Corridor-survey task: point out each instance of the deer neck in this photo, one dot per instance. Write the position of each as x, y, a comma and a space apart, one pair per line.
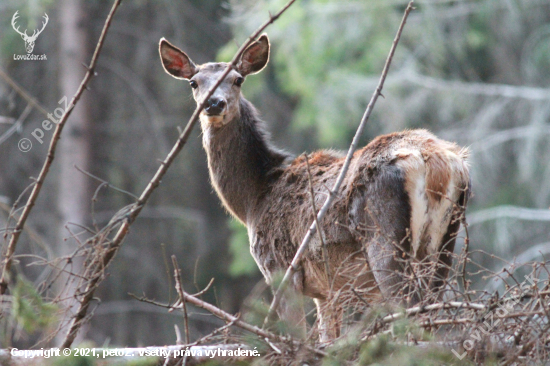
242, 162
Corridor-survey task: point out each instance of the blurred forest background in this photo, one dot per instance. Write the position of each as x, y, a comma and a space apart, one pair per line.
472, 71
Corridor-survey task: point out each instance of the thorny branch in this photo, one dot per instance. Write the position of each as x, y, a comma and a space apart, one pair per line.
114, 244
328, 202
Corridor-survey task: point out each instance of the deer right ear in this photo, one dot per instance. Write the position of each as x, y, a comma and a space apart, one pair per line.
175, 61
255, 57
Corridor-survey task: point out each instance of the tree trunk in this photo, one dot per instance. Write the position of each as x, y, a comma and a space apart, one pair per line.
73, 199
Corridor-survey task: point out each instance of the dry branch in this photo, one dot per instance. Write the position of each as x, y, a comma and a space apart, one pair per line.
16, 232
180, 290
421, 309
116, 242
294, 265
492, 90
264, 334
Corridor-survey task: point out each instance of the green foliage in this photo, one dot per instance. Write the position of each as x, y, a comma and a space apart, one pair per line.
389, 349
30, 310
324, 60
383, 352
319, 64
74, 361
93, 361
452, 73
256, 311
242, 263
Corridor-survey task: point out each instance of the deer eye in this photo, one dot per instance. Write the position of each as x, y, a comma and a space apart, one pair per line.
193, 84
239, 81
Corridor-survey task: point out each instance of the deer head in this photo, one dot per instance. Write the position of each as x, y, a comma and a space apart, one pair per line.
29, 40
223, 106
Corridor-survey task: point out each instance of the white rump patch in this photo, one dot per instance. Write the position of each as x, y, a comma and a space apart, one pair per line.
440, 217
415, 185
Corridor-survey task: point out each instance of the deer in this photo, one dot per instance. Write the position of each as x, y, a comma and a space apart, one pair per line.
398, 208
29, 40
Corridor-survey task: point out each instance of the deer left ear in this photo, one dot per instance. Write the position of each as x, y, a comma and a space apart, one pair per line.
175, 61
255, 57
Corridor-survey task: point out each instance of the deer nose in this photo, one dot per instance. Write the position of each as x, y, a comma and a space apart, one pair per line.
215, 106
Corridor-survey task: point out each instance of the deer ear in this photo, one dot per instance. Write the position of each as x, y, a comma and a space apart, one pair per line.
255, 57
175, 61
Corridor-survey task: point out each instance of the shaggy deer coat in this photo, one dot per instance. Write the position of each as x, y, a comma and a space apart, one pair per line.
396, 213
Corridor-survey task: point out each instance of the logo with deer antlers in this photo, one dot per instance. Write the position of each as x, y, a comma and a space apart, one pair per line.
29, 40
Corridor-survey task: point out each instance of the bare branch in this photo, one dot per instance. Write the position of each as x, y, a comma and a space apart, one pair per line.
241, 324
116, 242
507, 211
17, 124
179, 289
493, 90
51, 154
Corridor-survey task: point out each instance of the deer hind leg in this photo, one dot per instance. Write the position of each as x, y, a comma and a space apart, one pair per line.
386, 261
329, 317
448, 243
380, 211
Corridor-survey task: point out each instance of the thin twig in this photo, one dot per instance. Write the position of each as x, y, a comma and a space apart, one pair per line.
179, 289
525, 347
23, 92
294, 265
205, 289
178, 335
319, 230
420, 309
51, 153
465, 254
104, 182
17, 124
116, 242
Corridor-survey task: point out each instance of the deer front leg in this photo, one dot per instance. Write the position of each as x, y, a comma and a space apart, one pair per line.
329, 317
291, 306
291, 311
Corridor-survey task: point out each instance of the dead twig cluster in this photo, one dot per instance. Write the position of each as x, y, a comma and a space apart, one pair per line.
510, 328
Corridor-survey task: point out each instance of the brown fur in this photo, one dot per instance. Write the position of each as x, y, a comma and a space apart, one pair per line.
396, 212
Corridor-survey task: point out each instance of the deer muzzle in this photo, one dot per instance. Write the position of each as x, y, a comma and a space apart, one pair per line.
215, 106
